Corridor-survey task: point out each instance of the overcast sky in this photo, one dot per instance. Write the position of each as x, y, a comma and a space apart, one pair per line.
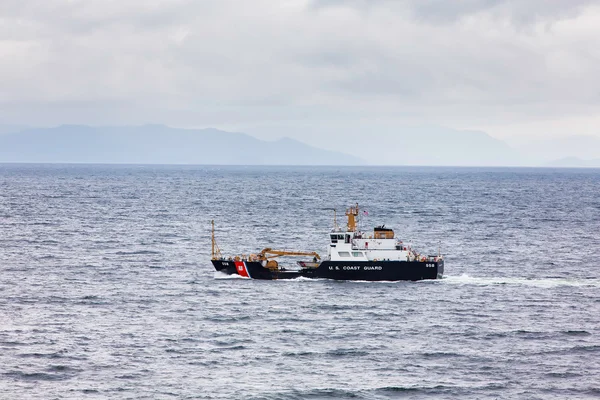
304, 68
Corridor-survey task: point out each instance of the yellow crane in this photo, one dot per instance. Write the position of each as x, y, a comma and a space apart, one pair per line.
268, 254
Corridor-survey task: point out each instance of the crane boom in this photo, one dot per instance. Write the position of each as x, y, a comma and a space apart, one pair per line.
268, 253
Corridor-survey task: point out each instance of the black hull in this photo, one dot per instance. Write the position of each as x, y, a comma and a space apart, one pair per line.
227, 267
340, 270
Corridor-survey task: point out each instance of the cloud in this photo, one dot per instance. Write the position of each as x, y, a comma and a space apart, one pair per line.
199, 63
436, 11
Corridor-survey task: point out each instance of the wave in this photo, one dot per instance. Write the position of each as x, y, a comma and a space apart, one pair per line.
223, 275
364, 393
56, 374
138, 252
537, 282
305, 279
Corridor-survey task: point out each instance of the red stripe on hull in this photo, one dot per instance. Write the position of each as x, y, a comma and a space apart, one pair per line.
240, 267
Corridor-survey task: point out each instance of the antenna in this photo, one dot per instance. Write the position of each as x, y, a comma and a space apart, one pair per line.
335, 218
335, 225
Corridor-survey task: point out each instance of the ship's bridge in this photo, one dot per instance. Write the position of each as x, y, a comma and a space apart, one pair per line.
368, 249
353, 245
380, 240
376, 244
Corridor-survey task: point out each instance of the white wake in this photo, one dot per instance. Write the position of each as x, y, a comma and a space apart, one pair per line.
537, 282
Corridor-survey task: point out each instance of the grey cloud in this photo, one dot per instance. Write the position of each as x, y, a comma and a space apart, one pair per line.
87, 16
517, 11
212, 62
437, 11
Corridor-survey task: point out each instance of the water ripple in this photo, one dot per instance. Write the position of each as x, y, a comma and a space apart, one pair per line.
107, 290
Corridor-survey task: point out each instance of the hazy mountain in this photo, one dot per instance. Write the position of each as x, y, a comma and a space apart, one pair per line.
551, 150
4, 129
438, 146
574, 162
158, 144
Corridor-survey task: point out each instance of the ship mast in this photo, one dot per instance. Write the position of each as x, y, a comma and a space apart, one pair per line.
215, 251
352, 213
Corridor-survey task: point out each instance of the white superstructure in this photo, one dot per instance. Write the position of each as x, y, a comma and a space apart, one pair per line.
357, 246
353, 245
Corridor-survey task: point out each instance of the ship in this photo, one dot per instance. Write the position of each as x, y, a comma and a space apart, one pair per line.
352, 255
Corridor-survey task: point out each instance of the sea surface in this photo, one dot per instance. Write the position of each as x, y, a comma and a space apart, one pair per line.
107, 290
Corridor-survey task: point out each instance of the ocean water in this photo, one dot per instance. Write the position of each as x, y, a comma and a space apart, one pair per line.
107, 290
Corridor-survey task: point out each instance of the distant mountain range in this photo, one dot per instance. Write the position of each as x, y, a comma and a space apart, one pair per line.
439, 146
4, 129
574, 162
158, 144
566, 151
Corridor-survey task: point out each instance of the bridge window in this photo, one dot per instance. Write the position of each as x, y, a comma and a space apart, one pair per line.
333, 238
